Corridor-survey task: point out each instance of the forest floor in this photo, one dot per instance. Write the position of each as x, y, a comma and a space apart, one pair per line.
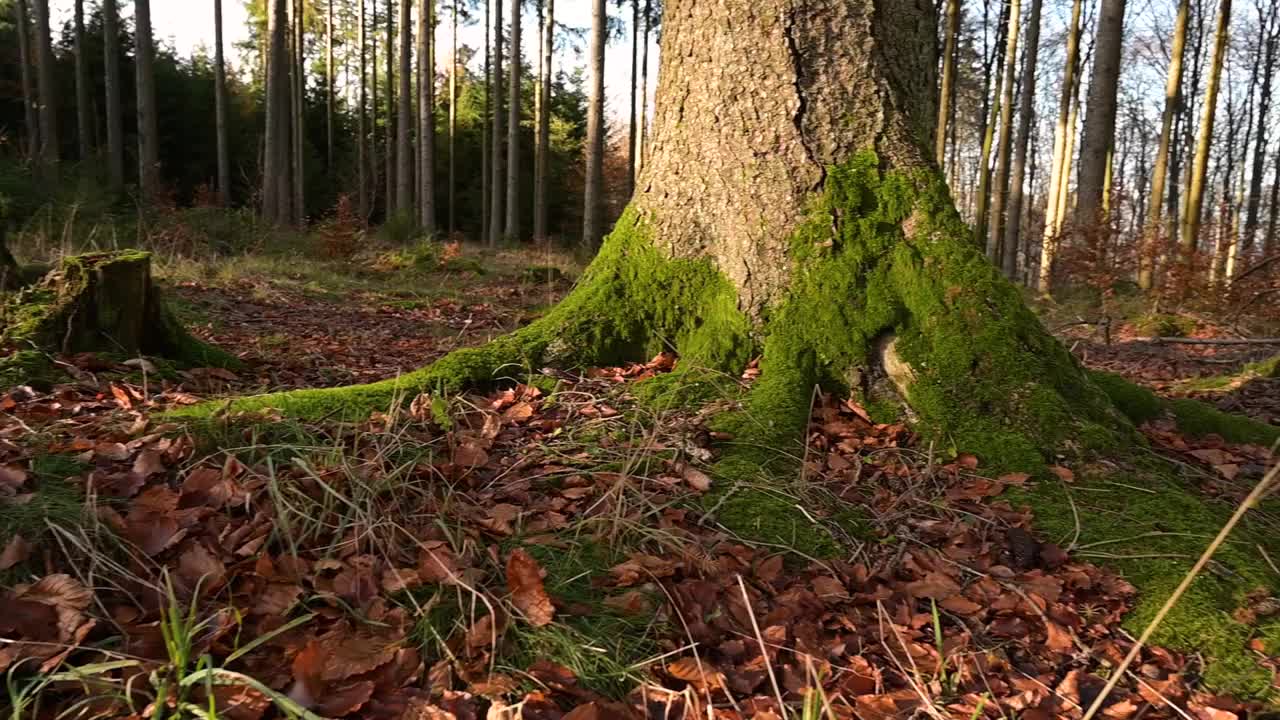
537, 552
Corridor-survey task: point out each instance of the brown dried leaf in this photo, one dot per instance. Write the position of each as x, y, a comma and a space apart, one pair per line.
524, 580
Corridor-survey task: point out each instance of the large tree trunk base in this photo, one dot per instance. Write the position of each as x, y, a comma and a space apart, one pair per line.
102, 303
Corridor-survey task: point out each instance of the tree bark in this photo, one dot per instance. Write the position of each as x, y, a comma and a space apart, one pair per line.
541, 170
631, 110
644, 87
277, 196
1189, 234
362, 131
29, 101
427, 116
1026, 114
948, 81
391, 139
1061, 153
328, 86
405, 200
84, 122
145, 87
1100, 118
1271, 48
47, 87
1000, 192
298, 105
1160, 171
1273, 220
498, 177
512, 227
486, 160
453, 119
220, 103
594, 186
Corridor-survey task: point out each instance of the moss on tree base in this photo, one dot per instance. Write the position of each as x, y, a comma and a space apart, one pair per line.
99, 302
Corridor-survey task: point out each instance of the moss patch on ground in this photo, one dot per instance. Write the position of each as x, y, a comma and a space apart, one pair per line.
1152, 535
1192, 416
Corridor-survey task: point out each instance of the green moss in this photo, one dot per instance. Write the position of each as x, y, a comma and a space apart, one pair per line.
1152, 536
685, 387
1136, 402
27, 367
1197, 418
1164, 325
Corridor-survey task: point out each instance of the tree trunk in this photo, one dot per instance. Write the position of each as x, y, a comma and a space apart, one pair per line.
405, 200
145, 87
10, 273
84, 122
362, 129
298, 104
390, 142
814, 228
541, 170
948, 81
631, 110
1061, 152
29, 101
486, 161
47, 85
1001, 185
1026, 114
277, 196
328, 86
512, 228
1160, 172
427, 116
1100, 119
220, 103
644, 87
497, 178
988, 118
1271, 44
1273, 219
594, 186
1195, 190
453, 119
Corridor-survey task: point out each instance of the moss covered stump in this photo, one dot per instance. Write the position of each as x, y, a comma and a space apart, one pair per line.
103, 303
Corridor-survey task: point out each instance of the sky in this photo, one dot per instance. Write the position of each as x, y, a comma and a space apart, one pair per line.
188, 25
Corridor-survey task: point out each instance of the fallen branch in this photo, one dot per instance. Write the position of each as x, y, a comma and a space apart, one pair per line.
1209, 341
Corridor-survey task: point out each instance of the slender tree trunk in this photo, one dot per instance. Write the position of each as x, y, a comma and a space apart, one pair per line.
148, 127
1061, 153
328, 86
427, 116
47, 85
987, 128
277, 197
29, 102
362, 130
405, 200
1271, 43
1100, 119
84, 123
486, 160
1001, 189
1273, 219
512, 230
498, 178
453, 118
220, 107
115, 111
1195, 190
631, 111
948, 81
390, 142
1160, 170
644, 87
299, 107
593, 191
1026, 114
544, 124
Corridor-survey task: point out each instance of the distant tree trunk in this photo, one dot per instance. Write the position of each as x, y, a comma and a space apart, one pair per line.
1273, 219
486, 160
544, 124
29, 101
298, 104
47, 84
993, 68
328, 86
631, 112
1001, 186
1100, 119
512, 230
1160, 171
277, 197
10, 273
1199, 169
948, 81
1271, 43
1061, 153
390, 142
427, 116
594, 187
375, 164
405, 200
84, 124
453, 118
644, 87
498, 178
1027, 111
220, 109
362, 130
115, 111
148, 126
